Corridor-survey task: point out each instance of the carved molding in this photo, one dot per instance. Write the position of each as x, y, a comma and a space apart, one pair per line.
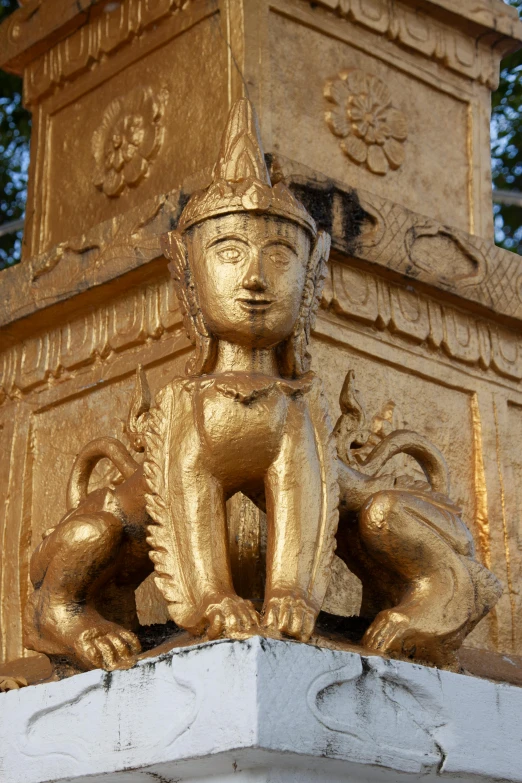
449, 259
364, 297
89, 44
129, 320
372, 130
418, 30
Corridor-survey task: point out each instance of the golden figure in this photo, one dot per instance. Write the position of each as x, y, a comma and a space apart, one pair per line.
248, 263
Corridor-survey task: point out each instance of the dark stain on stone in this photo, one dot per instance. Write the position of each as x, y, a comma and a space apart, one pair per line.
107, 681
318, 200
443, 757
151, 636
353, 218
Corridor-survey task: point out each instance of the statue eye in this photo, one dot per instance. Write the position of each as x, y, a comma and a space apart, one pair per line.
230, 254
280, 255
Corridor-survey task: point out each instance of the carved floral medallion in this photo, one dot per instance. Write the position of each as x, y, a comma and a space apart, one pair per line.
371, 129
127, 140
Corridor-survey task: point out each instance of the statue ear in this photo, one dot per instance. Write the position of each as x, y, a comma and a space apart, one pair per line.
318, 270
174, 249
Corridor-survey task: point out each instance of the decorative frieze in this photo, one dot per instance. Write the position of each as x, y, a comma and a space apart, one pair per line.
415, 29
102, 36
146, 313
402, 311
141, 314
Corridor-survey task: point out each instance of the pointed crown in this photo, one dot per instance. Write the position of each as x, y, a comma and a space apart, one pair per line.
240, 179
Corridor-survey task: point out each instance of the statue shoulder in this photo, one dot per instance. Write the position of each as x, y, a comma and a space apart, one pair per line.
171, 391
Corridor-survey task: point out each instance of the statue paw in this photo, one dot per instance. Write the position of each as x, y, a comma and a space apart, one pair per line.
107, 647
8, 683
387, 632
232, 617
291, 616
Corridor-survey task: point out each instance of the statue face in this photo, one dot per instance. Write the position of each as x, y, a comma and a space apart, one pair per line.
249, 272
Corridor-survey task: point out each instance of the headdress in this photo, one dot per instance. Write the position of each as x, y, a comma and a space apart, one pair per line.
240, 179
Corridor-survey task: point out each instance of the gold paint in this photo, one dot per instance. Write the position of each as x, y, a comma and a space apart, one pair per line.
248, 264
481, 490
504, 528
128, 138
471, 174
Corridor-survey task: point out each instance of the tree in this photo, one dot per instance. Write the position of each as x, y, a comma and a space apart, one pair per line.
506, 146
15, 130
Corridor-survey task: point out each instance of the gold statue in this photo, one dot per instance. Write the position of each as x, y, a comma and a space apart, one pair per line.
248, 263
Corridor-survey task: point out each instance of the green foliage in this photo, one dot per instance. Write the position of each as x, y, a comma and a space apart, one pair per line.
15, 130
506, 146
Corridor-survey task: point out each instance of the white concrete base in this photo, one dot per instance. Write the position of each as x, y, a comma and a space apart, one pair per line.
262, 711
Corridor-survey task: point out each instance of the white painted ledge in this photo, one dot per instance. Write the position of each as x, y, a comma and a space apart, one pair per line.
262, 711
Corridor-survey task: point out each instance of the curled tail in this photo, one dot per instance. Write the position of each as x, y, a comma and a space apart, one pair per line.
86, 461
417, 446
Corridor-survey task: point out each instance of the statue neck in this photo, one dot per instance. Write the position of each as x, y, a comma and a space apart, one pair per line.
239, 358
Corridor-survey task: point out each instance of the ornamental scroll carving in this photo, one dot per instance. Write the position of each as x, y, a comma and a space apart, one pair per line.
361, 114
248, 264
127, 140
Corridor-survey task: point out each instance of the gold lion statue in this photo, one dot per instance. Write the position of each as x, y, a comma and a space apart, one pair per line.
248, 263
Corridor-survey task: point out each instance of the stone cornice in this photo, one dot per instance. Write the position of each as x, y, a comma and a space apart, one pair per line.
39, 24
467, 38
291, 711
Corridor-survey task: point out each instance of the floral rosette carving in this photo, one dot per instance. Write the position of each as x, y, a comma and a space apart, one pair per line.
127, 140
372, 130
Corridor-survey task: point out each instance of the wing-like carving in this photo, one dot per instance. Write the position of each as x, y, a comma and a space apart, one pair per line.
163, 538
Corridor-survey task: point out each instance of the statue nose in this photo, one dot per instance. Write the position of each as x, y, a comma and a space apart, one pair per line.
254, 279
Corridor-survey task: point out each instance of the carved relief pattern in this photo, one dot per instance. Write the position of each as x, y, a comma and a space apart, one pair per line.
128, 138
364, 297
90, 43
416, 30
446, 258
129, 320
372, 130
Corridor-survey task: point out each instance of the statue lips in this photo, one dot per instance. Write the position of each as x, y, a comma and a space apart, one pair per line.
255, 303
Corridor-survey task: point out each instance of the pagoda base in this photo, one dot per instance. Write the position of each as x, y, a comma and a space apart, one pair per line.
262, 710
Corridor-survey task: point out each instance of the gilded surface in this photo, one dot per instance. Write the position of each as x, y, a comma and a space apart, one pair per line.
417, 300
